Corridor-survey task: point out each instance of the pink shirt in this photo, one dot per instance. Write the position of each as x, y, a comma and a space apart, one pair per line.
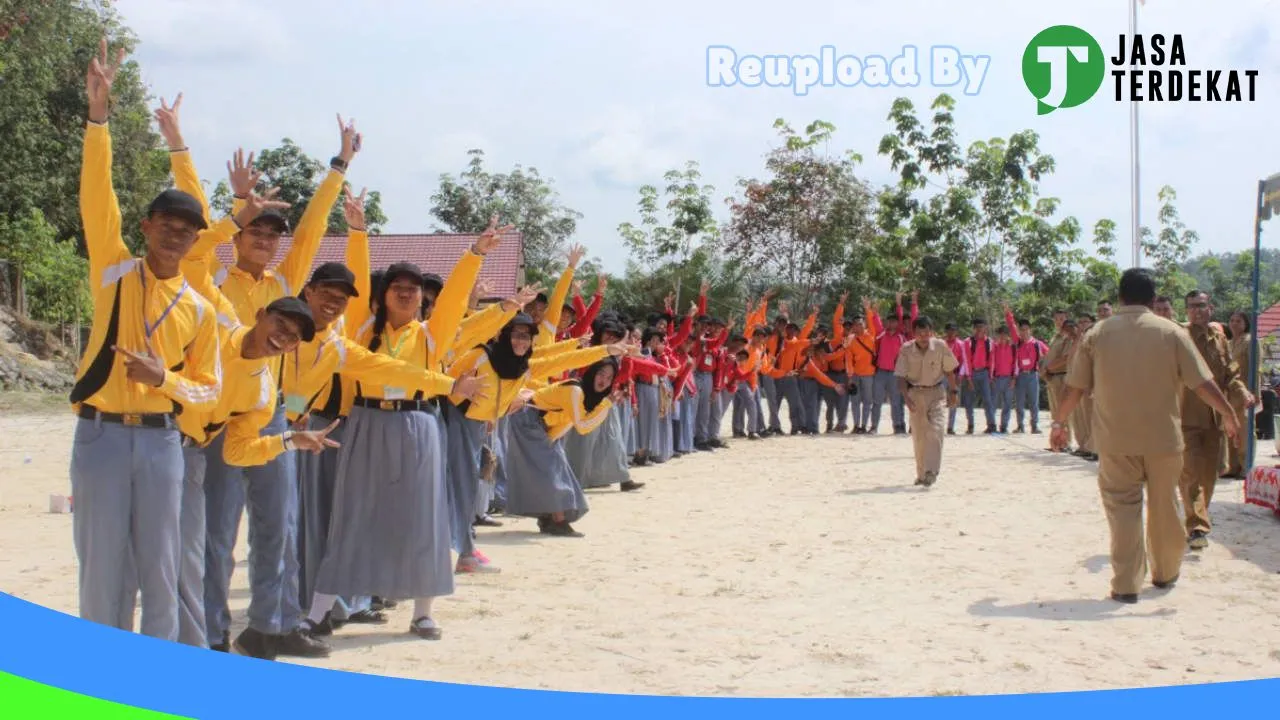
1029, 353
889, 345
1003, 362
960, 349
979, 354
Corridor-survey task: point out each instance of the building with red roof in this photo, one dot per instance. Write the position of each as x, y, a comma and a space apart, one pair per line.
437, 253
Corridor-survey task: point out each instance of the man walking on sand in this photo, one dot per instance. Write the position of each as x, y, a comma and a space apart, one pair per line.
1136, 364
922, 367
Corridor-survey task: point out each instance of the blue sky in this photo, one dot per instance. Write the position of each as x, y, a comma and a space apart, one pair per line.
606, 96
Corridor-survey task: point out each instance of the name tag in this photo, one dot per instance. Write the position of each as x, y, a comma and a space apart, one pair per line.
393, 393
295, 404
1026, 362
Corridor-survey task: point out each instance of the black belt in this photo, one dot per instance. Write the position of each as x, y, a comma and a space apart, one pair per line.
324, 416
924, 387
150, 420
397, 405
1061, 374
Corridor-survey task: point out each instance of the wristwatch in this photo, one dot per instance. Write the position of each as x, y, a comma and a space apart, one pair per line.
1058, 426
287, 439
338, 164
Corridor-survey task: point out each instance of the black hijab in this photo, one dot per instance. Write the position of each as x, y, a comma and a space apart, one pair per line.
590, 397
502, 357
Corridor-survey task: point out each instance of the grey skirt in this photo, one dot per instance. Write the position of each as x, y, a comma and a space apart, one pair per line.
389, 530
317, 479
539, 478
647, 423
466, 437
664, 445
599, 459
629, 425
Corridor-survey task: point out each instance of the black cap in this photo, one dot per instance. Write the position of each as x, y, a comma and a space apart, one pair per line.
951, 326
402, 270
542, 298
293, 308
432, 281
274, 219
332, 273
179, 204
523, 319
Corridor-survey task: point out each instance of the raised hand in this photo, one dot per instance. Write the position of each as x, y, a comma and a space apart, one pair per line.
489, 239
844, 296
526, 295
99, 78
142, 367
693, 308
704, 288
167, 119
255, 205
620, 349
915, 297
479, 290
898, 297
576, 253
242, 176
577, 288
602, 282
353, 208
351, 140
316, 441
669, 302
585, 340
522, 398
469, 386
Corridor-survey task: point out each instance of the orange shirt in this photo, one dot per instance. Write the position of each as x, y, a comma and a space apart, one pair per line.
860, 354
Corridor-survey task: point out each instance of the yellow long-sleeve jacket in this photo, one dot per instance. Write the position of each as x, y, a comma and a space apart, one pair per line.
500, 392
137, 311
565, 405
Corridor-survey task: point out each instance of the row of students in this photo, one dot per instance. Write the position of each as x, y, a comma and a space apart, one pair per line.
199, 382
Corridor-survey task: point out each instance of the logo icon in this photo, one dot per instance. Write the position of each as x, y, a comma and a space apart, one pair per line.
1063, 66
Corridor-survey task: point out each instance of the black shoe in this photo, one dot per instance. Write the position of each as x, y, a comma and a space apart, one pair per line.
561, 529
951, 431
367, 617
324, 628
224, 646
1166, 584
753, 436
1019, 431
486, 521
1199, 540
1035, 431
640, 461
1126, 598
718, 444
969, 431
254, 644
1004, 429
991, 431
737, 434
422, 629
630, 486
377, 603
300, 643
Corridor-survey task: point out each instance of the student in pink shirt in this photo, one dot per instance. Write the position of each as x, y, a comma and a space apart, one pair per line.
889, 341
1003, 370
1028, 352
951, 335
980, 349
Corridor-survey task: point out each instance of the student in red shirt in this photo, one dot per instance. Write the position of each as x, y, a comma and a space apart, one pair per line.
1028, 352
959, 348
889, 341
980, 349
1003, 370
720, 394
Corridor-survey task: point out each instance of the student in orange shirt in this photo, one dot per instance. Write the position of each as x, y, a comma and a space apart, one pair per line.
860, 348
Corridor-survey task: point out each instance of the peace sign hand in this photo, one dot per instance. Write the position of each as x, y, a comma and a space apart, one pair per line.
98, 81
141, 367
167, 118
351, 140
576, 253
315, 441
255, 205
241, 174
527, 294
353, 208
490, 238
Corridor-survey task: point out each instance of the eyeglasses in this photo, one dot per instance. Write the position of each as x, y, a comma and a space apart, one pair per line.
1197, 305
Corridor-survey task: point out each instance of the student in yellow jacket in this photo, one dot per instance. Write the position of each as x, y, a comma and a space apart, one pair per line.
540, 480
153, 350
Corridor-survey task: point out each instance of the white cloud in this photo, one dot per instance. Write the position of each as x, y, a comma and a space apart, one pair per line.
604, 98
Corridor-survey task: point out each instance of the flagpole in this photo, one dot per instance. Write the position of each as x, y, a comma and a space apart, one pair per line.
1249, 431
1135, 185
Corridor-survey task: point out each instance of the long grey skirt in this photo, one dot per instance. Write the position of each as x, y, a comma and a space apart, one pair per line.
389, 532
648, 425
539, 478
466, 437
629, 425
599, 459
317, 479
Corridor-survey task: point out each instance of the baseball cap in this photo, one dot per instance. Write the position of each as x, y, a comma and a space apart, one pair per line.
298, 311
432, 281
274, 219
402, 270
179, 204
332, 273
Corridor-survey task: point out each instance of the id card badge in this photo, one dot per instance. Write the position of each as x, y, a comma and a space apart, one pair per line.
393, 393
295, 404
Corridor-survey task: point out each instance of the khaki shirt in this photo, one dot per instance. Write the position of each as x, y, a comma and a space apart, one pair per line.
1240, 348
1059, 349
1216, 353
1137, 364
926, 368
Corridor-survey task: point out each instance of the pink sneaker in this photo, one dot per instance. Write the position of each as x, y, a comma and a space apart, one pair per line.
472, 566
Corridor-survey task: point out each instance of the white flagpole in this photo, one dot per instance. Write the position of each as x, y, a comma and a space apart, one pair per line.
1135, 188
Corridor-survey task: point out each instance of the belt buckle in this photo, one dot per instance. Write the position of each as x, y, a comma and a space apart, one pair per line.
131, 419
387, 405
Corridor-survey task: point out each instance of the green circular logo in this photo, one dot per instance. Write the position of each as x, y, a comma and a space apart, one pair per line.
1063, 67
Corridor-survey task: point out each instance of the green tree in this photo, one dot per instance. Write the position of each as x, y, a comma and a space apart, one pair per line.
1170, 248
522, 198
46, 46
298, 176
54, 277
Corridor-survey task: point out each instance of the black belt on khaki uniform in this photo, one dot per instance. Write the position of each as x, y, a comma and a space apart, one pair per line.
924, 387
150, 420
1049, 374
397, 405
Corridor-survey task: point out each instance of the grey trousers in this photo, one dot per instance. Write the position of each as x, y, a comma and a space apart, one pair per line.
270, 495
886, 389
864, 400
981, 390
789, 389
705, 400
837, 404
1004, 402
127, 483
811, 402
769, 390
719, 406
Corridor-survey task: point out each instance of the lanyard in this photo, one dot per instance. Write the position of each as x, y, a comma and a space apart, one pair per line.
395, 352
150, 328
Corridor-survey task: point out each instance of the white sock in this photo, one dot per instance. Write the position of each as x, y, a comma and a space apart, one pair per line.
422, 607
321, 604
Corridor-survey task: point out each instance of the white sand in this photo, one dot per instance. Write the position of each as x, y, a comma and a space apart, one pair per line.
794, 566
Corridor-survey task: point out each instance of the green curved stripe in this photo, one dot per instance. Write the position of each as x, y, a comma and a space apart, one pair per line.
22, 699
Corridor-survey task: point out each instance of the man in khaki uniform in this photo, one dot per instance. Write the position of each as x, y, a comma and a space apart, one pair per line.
1082, 418
922, 367
1137, 363
1055, 365
1201, 427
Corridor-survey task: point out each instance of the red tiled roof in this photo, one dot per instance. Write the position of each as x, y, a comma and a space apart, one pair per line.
436, 253
1269, 321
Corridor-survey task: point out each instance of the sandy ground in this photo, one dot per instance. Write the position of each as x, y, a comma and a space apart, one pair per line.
790, 567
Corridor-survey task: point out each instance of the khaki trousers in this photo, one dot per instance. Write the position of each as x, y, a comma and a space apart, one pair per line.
928, 427
1082, 423
1201, 461
1235, 460
1058, 388
1121, 479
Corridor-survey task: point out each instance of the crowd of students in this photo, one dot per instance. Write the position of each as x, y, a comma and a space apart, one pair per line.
367, 420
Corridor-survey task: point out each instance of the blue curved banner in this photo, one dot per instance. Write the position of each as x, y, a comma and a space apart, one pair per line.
64, 652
